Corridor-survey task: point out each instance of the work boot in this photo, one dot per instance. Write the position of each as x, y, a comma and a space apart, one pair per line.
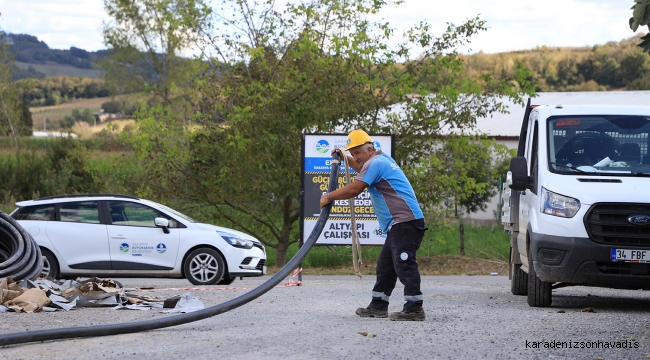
370, 312
414, 315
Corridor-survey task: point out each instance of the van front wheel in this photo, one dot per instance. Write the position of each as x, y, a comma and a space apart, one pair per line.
539, 292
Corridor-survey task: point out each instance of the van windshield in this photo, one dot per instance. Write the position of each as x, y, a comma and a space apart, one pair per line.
599, 145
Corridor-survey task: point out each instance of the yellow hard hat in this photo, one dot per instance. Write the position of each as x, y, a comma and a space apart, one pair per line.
357, 138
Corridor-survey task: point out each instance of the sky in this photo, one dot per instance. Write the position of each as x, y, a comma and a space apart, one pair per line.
512, 24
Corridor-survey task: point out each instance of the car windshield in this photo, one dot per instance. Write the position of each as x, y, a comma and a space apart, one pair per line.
599, 145
170, 210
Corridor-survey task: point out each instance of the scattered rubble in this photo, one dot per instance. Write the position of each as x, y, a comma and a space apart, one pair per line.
45, 295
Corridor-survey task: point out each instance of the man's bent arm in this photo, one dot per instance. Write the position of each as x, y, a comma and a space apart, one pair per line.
346, 192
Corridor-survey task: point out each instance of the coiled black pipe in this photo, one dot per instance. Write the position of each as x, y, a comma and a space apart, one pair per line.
125, 328
20, 257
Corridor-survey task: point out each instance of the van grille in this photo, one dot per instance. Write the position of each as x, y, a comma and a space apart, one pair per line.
607, 224
623, 268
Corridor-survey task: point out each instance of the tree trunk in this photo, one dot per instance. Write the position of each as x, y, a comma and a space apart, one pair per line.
281, 254
462, 239
288, 218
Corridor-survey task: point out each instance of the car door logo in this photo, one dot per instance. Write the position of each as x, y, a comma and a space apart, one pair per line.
161, 248
124, 247
639, 220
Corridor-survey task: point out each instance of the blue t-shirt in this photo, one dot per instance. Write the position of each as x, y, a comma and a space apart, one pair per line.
390, 191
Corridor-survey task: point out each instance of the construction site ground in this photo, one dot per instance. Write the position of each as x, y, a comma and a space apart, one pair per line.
466, 317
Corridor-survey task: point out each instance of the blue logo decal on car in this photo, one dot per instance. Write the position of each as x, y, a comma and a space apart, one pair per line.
124, 247
161, 248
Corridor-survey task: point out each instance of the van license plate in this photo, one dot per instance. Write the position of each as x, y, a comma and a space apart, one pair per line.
627, 255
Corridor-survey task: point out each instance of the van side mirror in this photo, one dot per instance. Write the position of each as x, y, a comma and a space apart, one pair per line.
162, 223
519, 170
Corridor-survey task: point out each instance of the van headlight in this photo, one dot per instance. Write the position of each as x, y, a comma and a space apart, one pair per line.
558, 205
236, 240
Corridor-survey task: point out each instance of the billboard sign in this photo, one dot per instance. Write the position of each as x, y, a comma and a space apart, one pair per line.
316, 166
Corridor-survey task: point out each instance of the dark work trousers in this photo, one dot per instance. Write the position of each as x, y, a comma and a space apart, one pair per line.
397, 260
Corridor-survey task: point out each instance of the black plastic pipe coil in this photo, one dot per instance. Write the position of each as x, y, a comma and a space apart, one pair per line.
125, 328
20, 257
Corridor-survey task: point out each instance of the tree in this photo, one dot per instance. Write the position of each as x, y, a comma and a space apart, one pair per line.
315, 66
634, 66
641, 17
112, 107
146, 41
11, 111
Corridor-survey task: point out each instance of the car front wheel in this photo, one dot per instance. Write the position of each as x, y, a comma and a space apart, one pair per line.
50, 269
204, 266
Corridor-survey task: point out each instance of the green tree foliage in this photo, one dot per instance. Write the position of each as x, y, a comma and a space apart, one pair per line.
316, 66
467, 170
641, 17
59, 89
146, 41
10, 105
112, 107
62, 168
85, 115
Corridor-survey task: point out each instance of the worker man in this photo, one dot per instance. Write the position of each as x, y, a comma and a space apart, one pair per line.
400, 217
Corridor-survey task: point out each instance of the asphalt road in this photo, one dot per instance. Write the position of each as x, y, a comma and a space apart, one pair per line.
467, 317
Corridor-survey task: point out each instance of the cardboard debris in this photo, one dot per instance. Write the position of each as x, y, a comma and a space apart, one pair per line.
9, 290
30, 301
45, 295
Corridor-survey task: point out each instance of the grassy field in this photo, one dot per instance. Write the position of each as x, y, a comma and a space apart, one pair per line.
86, 131
56, 112
60, 69
486, 251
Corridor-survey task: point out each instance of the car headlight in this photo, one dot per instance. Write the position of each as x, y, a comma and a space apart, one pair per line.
558, 205
235, 240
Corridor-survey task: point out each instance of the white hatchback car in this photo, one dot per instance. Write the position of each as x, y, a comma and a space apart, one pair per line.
119, 235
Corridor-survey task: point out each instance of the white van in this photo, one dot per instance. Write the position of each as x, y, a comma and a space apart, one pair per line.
577, 200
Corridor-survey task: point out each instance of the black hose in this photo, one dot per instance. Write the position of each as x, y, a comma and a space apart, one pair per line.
20, 257
125, 328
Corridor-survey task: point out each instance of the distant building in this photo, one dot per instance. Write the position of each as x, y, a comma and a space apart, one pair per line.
46, 134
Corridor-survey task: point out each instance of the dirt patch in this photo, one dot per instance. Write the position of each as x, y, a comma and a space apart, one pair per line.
435, 265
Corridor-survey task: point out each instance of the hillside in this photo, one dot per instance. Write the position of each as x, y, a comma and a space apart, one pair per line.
51, 68
29, 51
613, 66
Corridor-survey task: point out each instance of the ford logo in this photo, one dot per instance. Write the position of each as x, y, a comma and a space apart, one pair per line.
639, 220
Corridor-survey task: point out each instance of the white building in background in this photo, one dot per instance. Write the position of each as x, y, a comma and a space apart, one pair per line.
46, 134
505, 128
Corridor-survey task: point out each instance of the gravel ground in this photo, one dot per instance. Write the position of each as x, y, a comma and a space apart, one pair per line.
467, 317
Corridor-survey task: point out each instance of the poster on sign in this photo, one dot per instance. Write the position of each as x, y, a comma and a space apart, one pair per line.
316, 166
